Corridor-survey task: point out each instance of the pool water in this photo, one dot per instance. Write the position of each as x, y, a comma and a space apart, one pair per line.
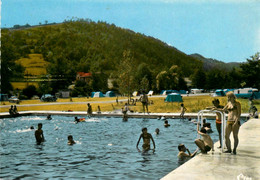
105, 148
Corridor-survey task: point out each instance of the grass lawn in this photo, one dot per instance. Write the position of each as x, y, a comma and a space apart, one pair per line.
192, 103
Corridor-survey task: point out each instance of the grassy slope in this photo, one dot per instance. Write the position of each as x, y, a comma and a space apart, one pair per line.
34, 65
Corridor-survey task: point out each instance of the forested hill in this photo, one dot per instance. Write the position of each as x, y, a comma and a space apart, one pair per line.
84, 45
209, 63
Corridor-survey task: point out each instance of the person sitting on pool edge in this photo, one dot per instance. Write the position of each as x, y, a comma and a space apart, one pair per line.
146, 141
166, 124
182, 150
70, 140
205, 144
39, 134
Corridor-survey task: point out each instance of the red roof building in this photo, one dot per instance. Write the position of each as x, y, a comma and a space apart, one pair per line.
82, 76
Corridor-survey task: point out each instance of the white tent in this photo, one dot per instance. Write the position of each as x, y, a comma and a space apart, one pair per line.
150, 93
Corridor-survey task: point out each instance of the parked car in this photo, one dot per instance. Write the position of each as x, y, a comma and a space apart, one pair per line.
48, 98
35, 97
13, 99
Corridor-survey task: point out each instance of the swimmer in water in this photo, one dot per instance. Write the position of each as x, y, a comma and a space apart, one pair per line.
146, 141
70, 140
39, 134
182, 150
157, 131
166, 124
76, 120
49, 117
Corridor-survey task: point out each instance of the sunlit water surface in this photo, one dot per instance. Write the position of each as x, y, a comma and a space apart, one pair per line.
105, 148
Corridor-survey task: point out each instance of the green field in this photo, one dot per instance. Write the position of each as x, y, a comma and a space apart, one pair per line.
192, 103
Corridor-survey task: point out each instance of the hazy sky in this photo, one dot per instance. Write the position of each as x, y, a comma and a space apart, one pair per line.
227, 30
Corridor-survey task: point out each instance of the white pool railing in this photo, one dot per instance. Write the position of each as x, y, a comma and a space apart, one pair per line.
223, 124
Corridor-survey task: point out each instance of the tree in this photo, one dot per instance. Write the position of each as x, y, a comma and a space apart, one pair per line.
251, 70
30, 91
142, 72
44, 88
9, 69
82, 88
182, 85
125, 74
199, 79
144, 84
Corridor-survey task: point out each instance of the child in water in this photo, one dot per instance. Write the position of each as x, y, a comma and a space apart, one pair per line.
70, 140
146, 141
166, 124
39, 134
157, 131
183, 149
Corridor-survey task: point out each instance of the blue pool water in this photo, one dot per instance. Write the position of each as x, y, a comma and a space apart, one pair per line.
105, 149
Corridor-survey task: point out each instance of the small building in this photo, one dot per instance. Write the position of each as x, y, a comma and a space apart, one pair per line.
82, 76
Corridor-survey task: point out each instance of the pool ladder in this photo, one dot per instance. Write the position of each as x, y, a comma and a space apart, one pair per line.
223, 124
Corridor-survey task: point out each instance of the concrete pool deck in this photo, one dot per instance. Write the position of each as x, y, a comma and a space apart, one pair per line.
244, 165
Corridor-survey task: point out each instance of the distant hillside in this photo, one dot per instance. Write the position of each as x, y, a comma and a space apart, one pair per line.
210, 64
89, 46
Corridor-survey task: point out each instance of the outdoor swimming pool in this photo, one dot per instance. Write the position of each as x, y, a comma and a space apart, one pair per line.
105, 149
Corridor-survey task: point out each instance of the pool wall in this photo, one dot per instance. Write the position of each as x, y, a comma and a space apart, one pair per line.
114, 114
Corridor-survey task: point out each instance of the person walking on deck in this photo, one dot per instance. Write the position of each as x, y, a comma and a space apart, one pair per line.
144, 101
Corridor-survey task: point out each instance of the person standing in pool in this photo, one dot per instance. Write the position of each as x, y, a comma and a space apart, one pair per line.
39, 134
233, 122
89, 110
147, 137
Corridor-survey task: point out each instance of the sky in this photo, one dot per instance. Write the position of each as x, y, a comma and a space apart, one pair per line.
226, 30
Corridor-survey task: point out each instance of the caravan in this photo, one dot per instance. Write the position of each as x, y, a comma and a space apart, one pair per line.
245, 92
196, 91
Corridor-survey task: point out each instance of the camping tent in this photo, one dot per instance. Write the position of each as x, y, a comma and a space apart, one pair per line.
150, 93
3, 97
110, 94
97, 94
219, 92
256, 95
173, 97
183, 92
166, 92
135, 93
